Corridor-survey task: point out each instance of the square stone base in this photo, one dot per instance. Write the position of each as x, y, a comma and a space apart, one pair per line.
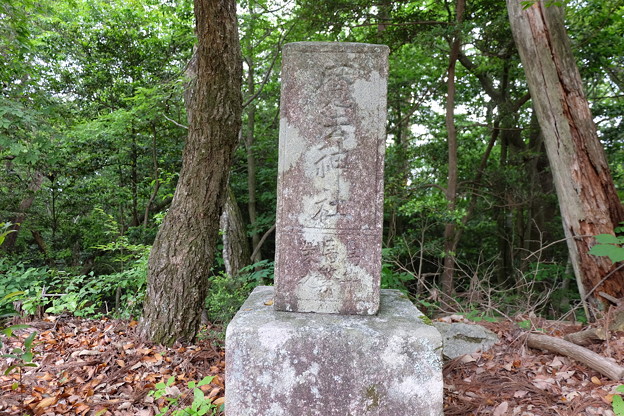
305, 364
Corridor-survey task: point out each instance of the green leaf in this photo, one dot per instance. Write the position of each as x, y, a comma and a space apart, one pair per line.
9, 330
9, 369
198, 395
28, 341
607, 239
9, 296
618, 405
620, 388
9, 356
615, 253
205, 380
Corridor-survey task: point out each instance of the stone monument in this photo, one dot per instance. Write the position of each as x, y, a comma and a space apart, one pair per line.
330, 183
326, 341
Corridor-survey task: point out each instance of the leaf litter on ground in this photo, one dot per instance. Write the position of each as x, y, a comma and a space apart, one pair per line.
101, 367
512, 379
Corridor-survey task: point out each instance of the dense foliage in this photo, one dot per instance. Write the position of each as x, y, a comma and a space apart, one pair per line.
92, 125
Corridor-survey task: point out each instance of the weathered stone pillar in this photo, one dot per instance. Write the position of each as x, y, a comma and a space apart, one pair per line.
360, 354
330, 183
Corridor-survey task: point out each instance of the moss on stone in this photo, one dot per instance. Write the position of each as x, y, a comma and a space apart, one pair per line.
372, 395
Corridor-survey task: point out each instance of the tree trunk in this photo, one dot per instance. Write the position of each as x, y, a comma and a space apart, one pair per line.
587, 197
134, 177
236, 253
156, 173
450, 229
22, 211
251, 165
180, 261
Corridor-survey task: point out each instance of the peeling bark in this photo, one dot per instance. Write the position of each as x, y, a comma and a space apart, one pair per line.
236, 253
587, 197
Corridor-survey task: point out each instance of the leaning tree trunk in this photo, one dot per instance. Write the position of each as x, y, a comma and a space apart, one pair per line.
180, 261
587, 197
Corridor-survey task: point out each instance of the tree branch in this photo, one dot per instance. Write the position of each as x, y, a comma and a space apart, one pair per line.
175, 122
268, 73
604, 365
421, 22
262, 240
485, 81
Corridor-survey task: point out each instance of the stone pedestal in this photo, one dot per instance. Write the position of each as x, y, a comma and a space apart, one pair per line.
305, 364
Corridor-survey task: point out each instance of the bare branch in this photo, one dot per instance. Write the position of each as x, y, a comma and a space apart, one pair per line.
268, 72
175, 122
264, 237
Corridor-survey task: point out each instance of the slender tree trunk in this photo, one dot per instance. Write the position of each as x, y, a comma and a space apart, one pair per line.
236, 253
156, 175
134, 177
180, 261
53, 213
587, 197
450, 230
22, 211
251, 165
40, 243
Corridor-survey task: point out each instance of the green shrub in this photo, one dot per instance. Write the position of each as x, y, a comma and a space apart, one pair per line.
227, 294
93, 296
4, 231
22, 284
22, 357
391, 279
201, 405
53, 291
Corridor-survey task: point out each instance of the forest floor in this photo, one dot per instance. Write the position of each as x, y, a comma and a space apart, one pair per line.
100, 367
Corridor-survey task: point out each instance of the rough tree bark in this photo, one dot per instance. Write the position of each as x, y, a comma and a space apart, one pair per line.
587, 197
183, 251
